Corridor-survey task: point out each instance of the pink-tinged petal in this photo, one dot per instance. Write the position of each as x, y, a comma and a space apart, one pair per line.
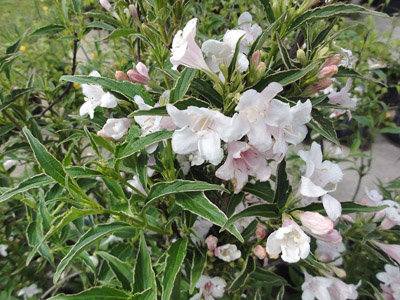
142, 69
331, 174
140, 103
390, 249
259, 136
235, 128
316, 223
210, 147
331, 237
332, 207
184, 141
387, 224
248, 99
309, 189
271, 91
105, 4
245, 18
181, 118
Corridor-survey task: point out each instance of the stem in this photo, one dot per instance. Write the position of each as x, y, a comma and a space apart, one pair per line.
12, 120
171, 159
360, 177
60, 283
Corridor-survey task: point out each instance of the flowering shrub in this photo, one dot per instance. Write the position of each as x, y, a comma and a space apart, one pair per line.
198, 172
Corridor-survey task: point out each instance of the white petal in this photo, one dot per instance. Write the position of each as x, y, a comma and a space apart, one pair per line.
309, 189
210, 147
332, 207
245, 18
184, 141
108, 100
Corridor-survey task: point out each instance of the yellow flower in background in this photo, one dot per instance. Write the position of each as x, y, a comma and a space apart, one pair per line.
22, 48
94, 55
123, 60
76, 85
45, 8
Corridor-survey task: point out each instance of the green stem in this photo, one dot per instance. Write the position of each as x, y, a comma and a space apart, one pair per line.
171, 159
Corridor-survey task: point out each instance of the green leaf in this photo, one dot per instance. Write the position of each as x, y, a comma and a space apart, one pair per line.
105, 16
198, 203
120, 32
49, 29
155, 111
330, 11
82, 172
323, 126
182, 85
96, 293
162, 189
125, 88
285, 77
196, 269
121, 269
268, 10
261, 190
207, 92
143, 274
259, 210
345, 72
249, 267
145, 295
394, 130
273, 279
92, 141
136, 145
282, 188
51, 166
175, 256
35, 235
284, 53
376, 291
347, 208
98, 24
34, 182
85, 241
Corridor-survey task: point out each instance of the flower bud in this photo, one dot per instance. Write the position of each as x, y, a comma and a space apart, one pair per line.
327, 72
105, 4
256, 58
133, 11
260, 252
316, 223
301, 56
322, 52
320, 85
211, 242
119, 75
140, 75
332, 61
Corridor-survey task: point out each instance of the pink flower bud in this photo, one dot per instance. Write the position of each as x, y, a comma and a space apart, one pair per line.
260, 232
327, 72
260, 252
321, 85
211, 242
255, 58
140, 75
334, 60
316, 223
105, 4
119, 75
331, 237
392, 250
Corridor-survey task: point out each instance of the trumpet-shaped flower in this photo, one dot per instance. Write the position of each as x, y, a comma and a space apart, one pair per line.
315, 287
29, 291
316, 223
318, 174
243, 161
340, 290
343, 97
253, 108
330, 252
390, 249
252, 31
391, 275
95, 96
202, 130
210, 288
185, 51
115, 129
140, 75
228, 252
291, 240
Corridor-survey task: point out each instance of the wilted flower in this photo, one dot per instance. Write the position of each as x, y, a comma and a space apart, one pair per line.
316, 223
185, 51
227, 252
202, 130
29, 291
3, 250
115, 129
243, 160
291, 240
210, 288
95, 96
318, 174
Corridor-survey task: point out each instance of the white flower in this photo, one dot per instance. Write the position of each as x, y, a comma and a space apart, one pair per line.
330, 252
8, 164
253, 108
29, 291
291, 240
210, 288
200, 227
115, 129
391, 275
202, 130
94, 260
3, 250
185, 51
228, 252
135, 182
339, 290
318, 174
252, 31
315, 287
343, 97
95, 96
374, 195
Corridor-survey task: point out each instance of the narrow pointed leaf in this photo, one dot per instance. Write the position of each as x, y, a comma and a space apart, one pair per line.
182, 85
122, 270
96, 293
